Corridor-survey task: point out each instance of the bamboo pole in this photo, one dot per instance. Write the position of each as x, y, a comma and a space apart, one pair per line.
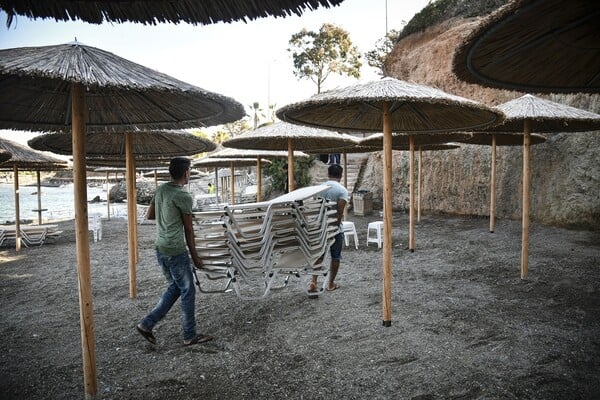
258, 179
387, 217
107, 196
411, 197
17, 208
291, 186
130, 173
345, 170
217, 184
493, 186
135, 214
419, 184
526, 190
82, 240
39, 196
232, 181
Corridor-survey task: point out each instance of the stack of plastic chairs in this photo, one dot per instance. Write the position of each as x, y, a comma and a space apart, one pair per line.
252, 245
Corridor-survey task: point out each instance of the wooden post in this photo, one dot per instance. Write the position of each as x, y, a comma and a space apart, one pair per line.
17, 209
258, 179
217, 184
387, 216
232, 181
135, 214
493, 186
155, 179
345, 170
526, 190
411, 196
107, 196
131, 211
82, 240
419, 185
291, 186
39, 196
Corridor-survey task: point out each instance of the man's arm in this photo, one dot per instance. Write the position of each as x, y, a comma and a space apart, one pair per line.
341, 205
150, 212
188, 227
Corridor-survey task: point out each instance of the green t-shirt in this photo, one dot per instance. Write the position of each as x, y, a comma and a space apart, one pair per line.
171, 201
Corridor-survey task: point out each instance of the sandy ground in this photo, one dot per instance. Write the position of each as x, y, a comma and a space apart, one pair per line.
464, 325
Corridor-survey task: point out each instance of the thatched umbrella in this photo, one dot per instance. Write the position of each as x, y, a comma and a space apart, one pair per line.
408, 141
76, 88
535, 46
215, 162
493, 140
351, 147
258, 154
157, 11
4, 155
389, 105
24, 158
283, 136
527, 114
151, 143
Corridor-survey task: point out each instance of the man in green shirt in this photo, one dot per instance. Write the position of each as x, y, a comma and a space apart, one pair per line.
172, 209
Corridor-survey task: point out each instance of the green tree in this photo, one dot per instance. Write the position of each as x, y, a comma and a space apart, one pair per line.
220, 136
316, 55
376, 57
237, 128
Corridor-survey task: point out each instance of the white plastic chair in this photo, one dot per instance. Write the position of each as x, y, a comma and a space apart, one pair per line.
350, 230
95, 225
377, 229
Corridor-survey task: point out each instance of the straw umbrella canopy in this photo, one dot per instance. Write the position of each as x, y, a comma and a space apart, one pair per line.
535, 46
527, 114
4, 155
76, 88
158, 11
150, 144
215, 162
258, 154
290, 137
24, 158
493, 140
408, 141
384, 106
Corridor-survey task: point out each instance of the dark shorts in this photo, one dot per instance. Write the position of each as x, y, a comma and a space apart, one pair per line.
336, 248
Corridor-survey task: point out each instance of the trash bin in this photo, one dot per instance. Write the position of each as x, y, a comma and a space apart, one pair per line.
362, 202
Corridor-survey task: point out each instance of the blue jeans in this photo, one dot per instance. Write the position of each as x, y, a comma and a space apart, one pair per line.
178, 271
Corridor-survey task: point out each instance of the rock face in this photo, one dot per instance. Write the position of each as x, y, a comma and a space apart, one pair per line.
565, 170
144, 191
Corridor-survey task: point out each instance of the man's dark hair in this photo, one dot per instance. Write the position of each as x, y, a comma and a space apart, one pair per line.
335, 171
178, 166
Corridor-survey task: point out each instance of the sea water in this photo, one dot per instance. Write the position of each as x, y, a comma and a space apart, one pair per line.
59, 202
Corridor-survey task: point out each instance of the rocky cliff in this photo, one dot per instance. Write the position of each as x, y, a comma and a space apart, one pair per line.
565, 169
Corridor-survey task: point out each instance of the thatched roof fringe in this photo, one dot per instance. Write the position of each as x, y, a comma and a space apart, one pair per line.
152, 12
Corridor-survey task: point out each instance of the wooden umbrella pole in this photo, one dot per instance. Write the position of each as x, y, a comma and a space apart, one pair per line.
39, 196
411, 197
493, 186
232, 182
387, 216
291, 186
130, 173
17, 208
526, 190
107, 196
82, 240
217, 184
258, 179
345, 170
419, 184
135, 214
155, 179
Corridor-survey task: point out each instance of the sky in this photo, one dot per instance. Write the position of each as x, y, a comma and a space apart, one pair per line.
248, 62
